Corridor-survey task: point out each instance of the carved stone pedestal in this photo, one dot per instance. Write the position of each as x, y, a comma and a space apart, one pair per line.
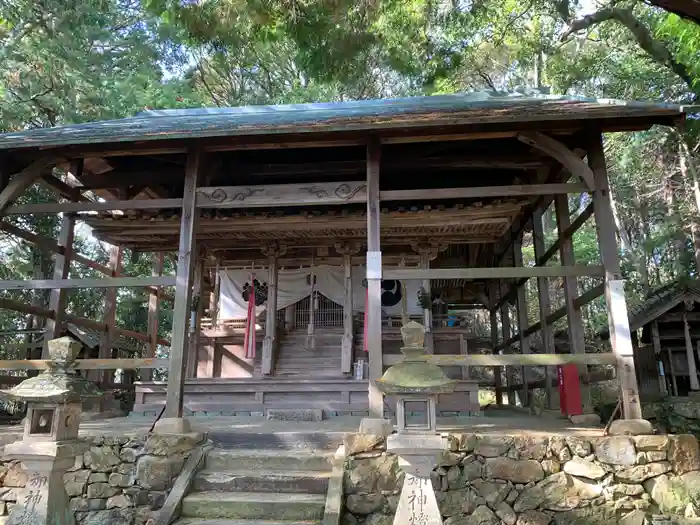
418, 456
44, 500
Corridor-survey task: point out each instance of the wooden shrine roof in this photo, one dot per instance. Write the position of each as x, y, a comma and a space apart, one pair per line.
686, 8
663, 299
365, 115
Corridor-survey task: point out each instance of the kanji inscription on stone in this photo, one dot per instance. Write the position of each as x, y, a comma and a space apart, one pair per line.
417, 503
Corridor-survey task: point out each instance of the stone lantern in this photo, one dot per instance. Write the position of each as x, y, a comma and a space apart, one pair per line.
416, 383
50, 442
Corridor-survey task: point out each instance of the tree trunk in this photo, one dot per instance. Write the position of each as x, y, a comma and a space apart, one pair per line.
690, 174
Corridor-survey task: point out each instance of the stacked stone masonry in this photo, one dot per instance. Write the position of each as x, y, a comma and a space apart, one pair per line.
118, 481
485, 480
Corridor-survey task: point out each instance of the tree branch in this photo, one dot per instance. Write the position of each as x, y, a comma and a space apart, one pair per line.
656, 50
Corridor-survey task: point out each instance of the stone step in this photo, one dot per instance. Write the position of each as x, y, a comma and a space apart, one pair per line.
254, 505
276, 460
298, 442
224, 521
288, 481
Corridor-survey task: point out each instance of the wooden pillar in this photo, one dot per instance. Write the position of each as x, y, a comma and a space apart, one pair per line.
153, 315
497, 379
374, 280
110, 315
544, 307
656, 341
618, 320
273, 252
183, 292
214, 296
196, 313
347, 250
510, 372
574, 319
690, 355
311, 328
521, 310
59, 297
464, 350
290, 314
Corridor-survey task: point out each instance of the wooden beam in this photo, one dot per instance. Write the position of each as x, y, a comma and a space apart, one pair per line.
557, 150
677, 317
194, 331
90, 206
567, 234
69, 284
374, 279
560, 313
497, 373
18, 306
523, 322
506, 330
618, 320
319, 194
170, 510
574, 317
153, 314
51, 246
493, 273
545, 305
59, 297
23, 180
109, 315
523, 190
183, 289
84, 364
512, 359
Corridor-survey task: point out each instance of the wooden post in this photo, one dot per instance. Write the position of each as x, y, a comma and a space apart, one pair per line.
153, 313
311, 328
183, 294
464, 350
58, 297
690, 354
374, 279
194, 329
273, 252
618, 320
215, 294
523, 323
656, 341
290, 314
545, 306
347, 250
573, 313
110, 315
510, 372
497, 379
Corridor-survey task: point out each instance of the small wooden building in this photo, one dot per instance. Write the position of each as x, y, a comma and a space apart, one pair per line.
341, 212
667, 349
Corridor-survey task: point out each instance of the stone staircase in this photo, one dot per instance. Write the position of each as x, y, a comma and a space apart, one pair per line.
295, 360
262, 479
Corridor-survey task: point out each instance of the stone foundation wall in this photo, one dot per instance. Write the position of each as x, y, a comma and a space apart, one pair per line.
117, 481
486, 480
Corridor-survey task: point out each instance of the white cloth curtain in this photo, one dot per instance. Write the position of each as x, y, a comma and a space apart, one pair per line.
293, 286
